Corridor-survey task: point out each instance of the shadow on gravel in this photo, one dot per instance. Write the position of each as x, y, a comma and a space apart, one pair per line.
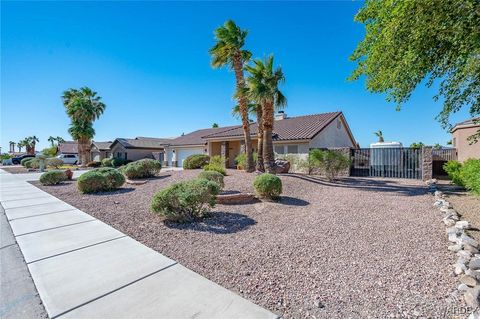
118, 191
367, 184
218, 223
292, 201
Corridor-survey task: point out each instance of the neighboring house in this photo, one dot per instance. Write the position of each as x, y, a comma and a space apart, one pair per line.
139, 148
460, 133
68, 147
100, 150
291, 135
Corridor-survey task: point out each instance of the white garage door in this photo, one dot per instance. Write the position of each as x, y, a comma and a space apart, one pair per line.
182, 154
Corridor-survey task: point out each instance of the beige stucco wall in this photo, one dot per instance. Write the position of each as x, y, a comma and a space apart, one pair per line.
332, 136
464, 149
133, 154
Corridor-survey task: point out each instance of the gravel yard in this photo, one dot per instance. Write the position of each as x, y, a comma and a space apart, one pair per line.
357, 248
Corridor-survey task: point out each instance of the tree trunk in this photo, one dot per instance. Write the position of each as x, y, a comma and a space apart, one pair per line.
268, 155
83, 151
243, 103
260, 167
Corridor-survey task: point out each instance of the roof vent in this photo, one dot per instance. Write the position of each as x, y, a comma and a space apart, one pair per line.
280, 116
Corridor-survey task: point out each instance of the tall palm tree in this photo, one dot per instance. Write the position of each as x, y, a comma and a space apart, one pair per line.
52, 140
263, 89
379, 134
30, 143
83, 106
20, 144
11, 144
59, 139
228, 51
256, 110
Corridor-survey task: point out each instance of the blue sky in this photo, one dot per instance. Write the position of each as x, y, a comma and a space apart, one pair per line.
149, 61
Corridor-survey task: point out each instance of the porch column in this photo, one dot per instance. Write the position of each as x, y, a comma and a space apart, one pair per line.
427, 163
174, 158
223, 150
165, 159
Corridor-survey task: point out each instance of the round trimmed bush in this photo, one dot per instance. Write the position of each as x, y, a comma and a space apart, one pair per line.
215, 168
94, 164
33, 163
142, 168
196, 161
107, 162
268, 186
53, 177
100, 180
54, 162
185, 201
24, 161
213, 176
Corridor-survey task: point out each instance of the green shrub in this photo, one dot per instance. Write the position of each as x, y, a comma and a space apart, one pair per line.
117, 162
215, 168
241, 159
213, 176
142, 168
94, 164
33, 163
185, 201
196, 161
50, 151
54, 162
25, 160
331, 162
100, 180
107, 162
453, 170
53, 177
268, 186
470, 175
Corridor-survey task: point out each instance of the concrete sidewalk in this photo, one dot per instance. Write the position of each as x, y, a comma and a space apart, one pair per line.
83, 268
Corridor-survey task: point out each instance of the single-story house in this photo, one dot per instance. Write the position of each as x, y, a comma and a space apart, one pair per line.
460, 133
139, 148
291, 135
100, 150
68, 147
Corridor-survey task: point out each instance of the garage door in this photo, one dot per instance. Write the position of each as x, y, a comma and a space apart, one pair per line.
182, 154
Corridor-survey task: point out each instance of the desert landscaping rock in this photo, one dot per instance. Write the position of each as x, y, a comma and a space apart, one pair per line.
471, 296
455, 248
463, 224
471, 249
287, 255
469, 281
462, 287
466, 240
474, 263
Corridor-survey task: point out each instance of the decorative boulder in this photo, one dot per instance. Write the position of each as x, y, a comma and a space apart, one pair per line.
282, 166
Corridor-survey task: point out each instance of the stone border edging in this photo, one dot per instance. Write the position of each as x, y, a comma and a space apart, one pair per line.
467, 266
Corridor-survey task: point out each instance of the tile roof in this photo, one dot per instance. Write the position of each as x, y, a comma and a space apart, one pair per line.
102, 145
143, 142
68, 147
291, 128
196, 137
472, 121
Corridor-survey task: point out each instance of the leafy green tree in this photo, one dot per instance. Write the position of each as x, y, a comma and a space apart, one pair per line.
379, 134
228, 51
83, 106
263, 87
417, 145
214, 125
407, 42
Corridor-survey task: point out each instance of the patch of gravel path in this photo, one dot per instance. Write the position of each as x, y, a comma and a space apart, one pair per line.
354, 249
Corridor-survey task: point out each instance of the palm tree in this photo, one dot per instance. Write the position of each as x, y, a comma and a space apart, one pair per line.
32, 141
20, 144
379, 134
256, 110
214, 125
263, 89
228, 51
59, 139
83, 106
11, 144
52, 140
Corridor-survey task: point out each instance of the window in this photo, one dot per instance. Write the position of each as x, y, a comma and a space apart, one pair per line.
292, 149
279, 149
125, 156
